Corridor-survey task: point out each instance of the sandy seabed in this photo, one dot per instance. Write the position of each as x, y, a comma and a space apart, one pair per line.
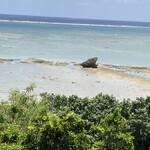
71, 79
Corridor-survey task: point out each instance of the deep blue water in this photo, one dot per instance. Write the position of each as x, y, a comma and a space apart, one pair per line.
71, 20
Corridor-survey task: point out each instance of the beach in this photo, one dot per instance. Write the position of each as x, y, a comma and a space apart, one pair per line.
69, 78
49, 54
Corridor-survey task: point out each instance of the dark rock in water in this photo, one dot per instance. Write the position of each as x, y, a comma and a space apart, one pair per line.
90, 63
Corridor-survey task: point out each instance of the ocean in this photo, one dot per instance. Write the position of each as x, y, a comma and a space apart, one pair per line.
75, 40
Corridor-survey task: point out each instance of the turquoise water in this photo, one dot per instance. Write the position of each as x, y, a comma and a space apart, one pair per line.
118, 45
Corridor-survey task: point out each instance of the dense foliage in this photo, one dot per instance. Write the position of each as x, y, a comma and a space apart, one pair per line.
60, 122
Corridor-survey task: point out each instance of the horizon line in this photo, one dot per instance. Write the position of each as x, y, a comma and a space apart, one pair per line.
75, 18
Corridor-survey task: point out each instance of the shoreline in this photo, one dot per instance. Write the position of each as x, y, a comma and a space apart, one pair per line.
46, 62
71, 79
107, 68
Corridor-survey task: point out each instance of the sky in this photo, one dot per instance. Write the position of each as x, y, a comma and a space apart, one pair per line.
128, 10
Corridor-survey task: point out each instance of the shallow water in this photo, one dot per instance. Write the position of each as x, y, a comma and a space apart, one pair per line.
112, 44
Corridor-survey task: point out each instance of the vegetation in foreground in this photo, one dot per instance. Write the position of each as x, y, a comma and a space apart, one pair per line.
73, 123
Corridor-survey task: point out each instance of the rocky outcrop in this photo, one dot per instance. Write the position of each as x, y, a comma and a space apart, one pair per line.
90, 63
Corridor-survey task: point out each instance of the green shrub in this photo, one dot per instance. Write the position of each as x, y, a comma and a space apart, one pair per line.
112, 133
63, 133
10, 134
10, 147
75, 123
